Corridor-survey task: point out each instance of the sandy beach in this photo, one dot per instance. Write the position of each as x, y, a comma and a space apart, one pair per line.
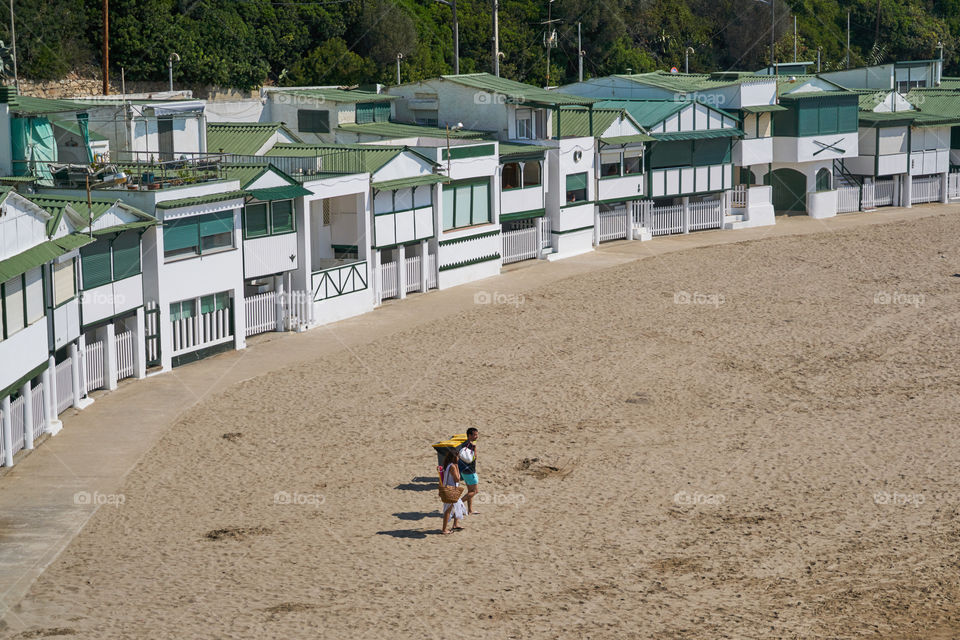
753, 440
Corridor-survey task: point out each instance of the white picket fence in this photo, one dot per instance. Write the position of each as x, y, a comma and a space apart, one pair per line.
261, 313
201, 331
298, 310
519, 244
738, 196
413, 273
124, 355
706, 215
848, 199
546, 233
882, 194
93, 360
17, 424
389, 281
926, 190
64, 376
953, 185
432, 271
613, 225
662, 221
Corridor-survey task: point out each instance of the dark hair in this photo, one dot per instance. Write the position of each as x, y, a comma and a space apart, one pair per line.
450, 458
471, 431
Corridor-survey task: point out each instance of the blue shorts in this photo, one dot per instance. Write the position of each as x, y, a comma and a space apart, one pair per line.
469, 478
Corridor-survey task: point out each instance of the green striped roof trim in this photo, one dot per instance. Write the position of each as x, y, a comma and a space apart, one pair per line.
575, 122
403, 183
517, 91
690, 82
510, 151
287, 192
40, 254
619, 140
339, 95
392, 130
142, 224
27, 105
197, 200
703, 134
763, 108
243, 138
522, 215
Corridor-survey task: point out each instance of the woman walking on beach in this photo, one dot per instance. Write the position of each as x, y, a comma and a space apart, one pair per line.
451, 477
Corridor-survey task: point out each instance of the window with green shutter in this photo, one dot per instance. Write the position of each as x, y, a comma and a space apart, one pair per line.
313, 121
281, 216
222, 301
828, 116
255, 220
848, 117
216, 231
183, 310
710, 152
181, 237
448, 200
808, 117
576, 187
480, 211
95, 264
126, 255
668, 154
365, 112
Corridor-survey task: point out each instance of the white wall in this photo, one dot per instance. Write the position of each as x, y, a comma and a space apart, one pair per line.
22, 352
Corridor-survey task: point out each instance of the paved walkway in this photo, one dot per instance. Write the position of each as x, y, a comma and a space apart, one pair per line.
100, 445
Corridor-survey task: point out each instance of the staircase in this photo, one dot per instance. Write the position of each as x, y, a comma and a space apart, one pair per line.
735, 221
842, 177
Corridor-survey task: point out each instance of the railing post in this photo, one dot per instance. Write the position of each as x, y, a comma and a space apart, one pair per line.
51, 424
27, 392
375, 278
686, 214
7, 432
278, 305
424, 264
944, 188
401, 271
596, 226
628, 215
108, 338
139, 345
75, 373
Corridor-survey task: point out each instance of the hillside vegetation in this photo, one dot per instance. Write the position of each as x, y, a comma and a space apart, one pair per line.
246, 43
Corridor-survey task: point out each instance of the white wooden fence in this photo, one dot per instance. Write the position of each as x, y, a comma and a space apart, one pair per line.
261, 312
848, 199
613, 225
413, 273
124, 355
519, 244
17, 424
661, 221
37, 396
389, 280
546, 233
297, 310
738, 196
953, 185
706, 215
93, 360
432, 271
64, 376
926, 190
201, 331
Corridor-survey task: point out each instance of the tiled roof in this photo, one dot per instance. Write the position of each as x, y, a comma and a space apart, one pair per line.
689, 82
352, 158
392, 130
338, 95
517, 91
576, 122
243, 138
204, 199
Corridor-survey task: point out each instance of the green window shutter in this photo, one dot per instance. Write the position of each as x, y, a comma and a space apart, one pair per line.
849, 119
576, 181
255, 220
180, 234
462, 206
828, 116
784, 123
710, 152
95, 264
281, 216
481, 204
207, 304
188, 308
222, 301
126, 255
674, 153
214, 223
313, 121
381, 112
808, 117
365, 112
448, 200
174, 312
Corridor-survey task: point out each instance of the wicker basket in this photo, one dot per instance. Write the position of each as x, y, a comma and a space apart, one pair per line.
450, 493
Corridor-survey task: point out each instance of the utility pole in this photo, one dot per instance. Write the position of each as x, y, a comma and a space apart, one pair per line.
819, 51
456, 39
876, 31
106, 47
773, 22
848, 38
13, 37
794, 38
548, 38
686, 54
496, 38
579, 55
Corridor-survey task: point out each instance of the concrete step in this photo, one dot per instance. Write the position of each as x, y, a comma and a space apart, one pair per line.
737, 224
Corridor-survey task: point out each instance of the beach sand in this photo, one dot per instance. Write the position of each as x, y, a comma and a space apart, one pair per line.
777, 458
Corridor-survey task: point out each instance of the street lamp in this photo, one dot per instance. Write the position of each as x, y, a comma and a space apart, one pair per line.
173, 58
456, 34
399, 58
686, 68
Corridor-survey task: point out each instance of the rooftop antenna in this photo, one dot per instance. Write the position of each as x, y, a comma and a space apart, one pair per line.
456, 34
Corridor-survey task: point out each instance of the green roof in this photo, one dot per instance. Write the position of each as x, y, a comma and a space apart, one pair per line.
763, 108
40, 254
576, 121
55, 205
517, 91
204, 199
365, 158
27, 105
287, 192
700, 134
339, 95
243, 138
945, 104
949, 83
887, 118
647, 113
786, 84
618, 140
401, 183
388, 130
690, 82
117, 228
517, 151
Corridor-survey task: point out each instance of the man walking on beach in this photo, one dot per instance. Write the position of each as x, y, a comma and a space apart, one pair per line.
468, 470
